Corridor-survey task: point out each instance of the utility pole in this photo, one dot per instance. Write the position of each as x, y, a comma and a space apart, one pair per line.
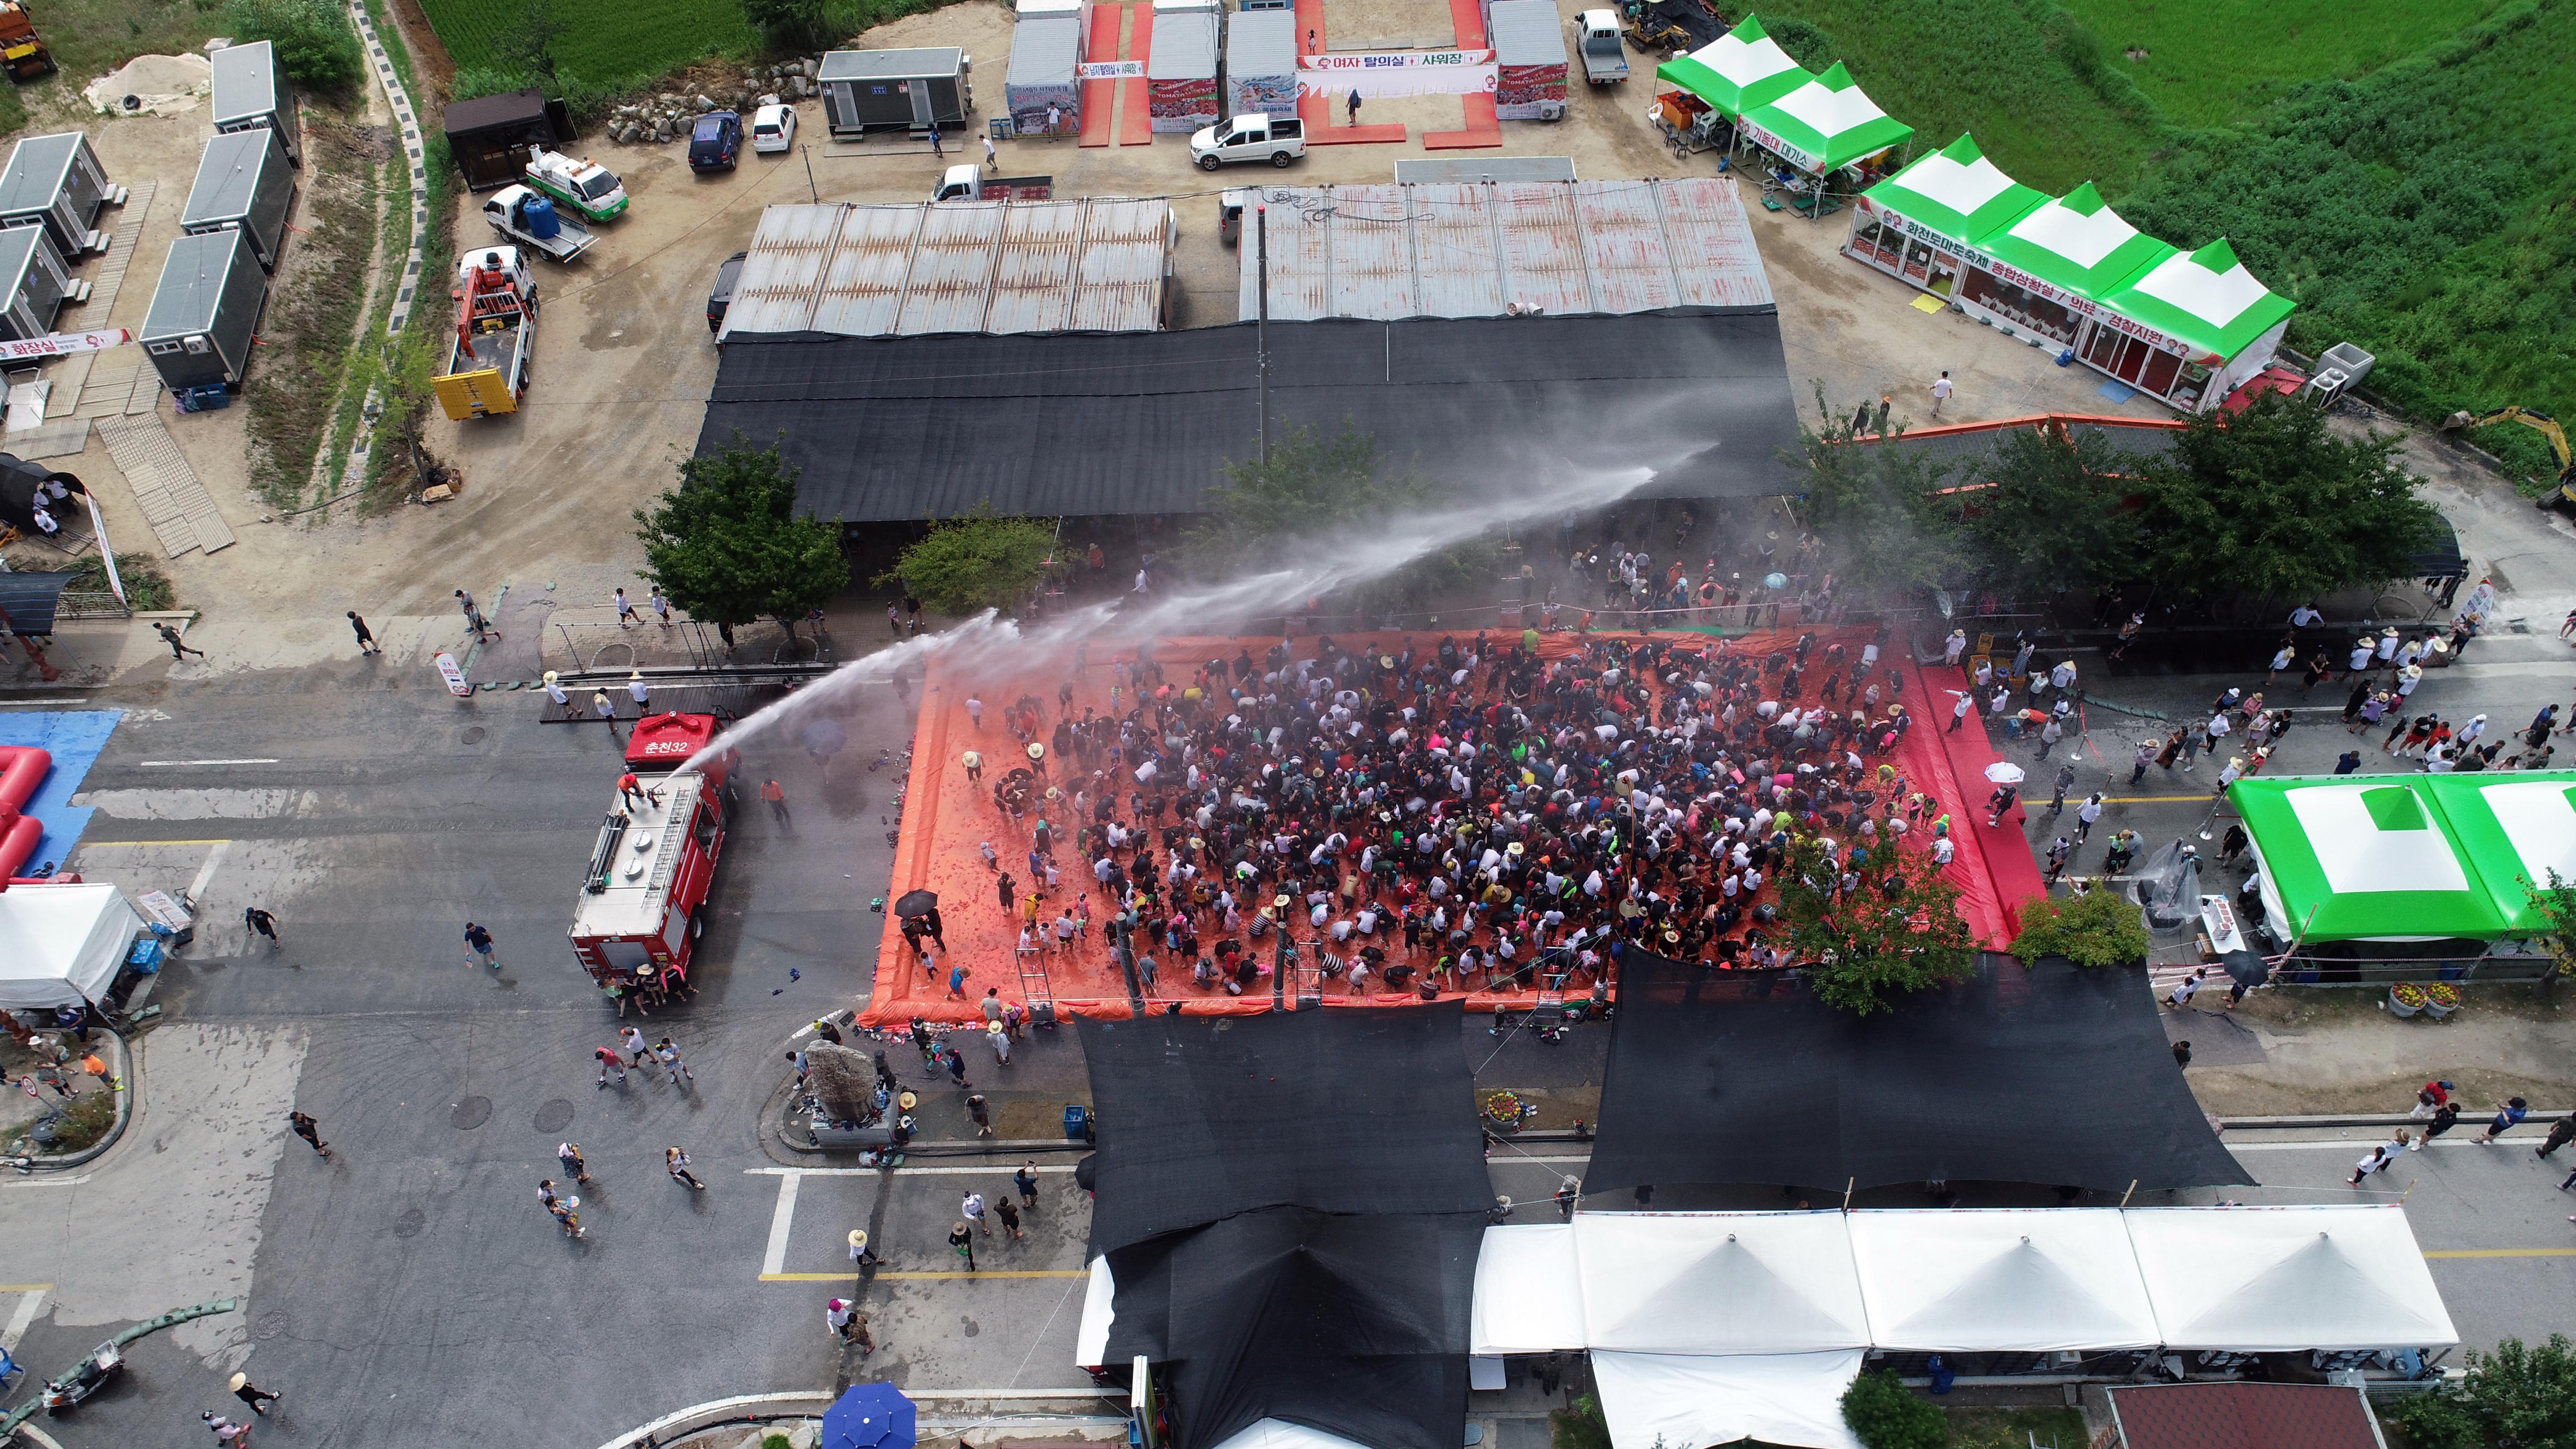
1261, 335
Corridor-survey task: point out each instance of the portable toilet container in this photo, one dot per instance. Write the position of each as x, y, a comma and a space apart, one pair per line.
1044, 53
1180, 78
251, 93
34, 282
1261, 64
916, 89
198, 331
1530, 60
1080, 10
244, 181
56, 182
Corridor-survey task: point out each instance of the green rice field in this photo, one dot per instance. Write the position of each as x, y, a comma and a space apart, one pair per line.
603, 40
2219, 62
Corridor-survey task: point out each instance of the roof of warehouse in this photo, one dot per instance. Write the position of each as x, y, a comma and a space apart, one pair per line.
1475, 250
1089, 424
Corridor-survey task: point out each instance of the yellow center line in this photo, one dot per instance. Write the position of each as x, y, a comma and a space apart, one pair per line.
26, 1287
2500, 1252
909, 1277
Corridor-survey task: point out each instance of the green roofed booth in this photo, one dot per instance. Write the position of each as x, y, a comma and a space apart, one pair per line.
1823, 126
1921, 225
2205, 305
1737, 71
2044, 274
2516, 828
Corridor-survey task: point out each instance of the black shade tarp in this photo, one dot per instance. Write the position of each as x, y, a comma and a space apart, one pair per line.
2048, 1074
1356, 1325
1116, 424
30, 600
1358, 1110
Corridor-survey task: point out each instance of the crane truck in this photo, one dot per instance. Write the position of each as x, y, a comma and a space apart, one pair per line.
496, 335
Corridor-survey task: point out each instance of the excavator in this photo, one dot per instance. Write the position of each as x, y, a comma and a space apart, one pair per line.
1674, 27
2565, 489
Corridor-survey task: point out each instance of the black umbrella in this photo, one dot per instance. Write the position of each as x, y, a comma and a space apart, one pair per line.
916, 903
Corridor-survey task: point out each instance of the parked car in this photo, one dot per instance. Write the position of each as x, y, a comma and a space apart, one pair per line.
1254, 137
715, 143
720, 296
773, 128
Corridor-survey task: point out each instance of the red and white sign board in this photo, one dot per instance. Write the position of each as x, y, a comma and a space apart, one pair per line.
64, 344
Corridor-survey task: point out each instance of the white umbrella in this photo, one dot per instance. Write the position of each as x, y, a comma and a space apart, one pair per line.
2004, 772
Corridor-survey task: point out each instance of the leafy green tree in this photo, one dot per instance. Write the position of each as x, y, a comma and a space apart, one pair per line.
2056, 516
1884, 1414
1898, 932
979, 561
528, 46
790, 24
2097, 928
2557, 902
2513, 1398
727, 545
1875, 506
2270, 503
1317, 486
316, 44
1580, 1424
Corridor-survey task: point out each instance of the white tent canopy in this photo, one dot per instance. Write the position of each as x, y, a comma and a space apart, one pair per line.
2027, 1279
1529, 1296
2256, 1280
1685, 1401
1719, 1282
61, 945
1280, 1434
1091, 1340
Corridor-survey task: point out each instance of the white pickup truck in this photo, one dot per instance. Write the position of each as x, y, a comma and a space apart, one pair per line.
1596, 34
1256, 137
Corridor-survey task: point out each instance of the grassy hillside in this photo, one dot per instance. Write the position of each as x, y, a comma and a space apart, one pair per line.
602, 40
2219, 62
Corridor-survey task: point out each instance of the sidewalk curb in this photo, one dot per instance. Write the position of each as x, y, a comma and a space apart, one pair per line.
128, 1102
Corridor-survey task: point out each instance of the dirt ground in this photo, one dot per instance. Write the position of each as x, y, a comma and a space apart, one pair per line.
2341, 1050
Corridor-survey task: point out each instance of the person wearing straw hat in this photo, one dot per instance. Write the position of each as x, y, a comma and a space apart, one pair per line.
555, 690
860, 1254
251, 1393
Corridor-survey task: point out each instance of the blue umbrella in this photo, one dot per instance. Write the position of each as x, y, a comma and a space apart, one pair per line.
869, 1416
1775, 581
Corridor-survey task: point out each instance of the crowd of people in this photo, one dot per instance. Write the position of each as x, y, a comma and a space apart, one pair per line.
1476, 814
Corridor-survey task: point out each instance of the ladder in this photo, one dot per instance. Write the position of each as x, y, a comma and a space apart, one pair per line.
1035, 989
1303, 967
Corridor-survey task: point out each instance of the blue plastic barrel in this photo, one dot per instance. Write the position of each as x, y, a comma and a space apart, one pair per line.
538, 216
1077, 1121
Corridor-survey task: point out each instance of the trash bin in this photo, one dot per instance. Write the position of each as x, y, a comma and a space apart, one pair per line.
1077, 1122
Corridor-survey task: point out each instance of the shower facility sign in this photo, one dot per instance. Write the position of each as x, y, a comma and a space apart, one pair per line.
1388, 73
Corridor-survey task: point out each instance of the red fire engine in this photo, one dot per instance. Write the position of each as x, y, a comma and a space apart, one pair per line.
637, 920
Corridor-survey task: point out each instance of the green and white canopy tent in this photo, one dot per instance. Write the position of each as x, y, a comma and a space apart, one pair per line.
1737, 71
2207, 299
2416, 858
2075, 246
1954, 195
1824, 125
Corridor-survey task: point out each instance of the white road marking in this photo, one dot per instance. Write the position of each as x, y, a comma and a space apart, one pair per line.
184, 803
775, 1261
2337, 1142
50, 1181
206, 872
168, 764
874, 1171
29, 1303
47, 703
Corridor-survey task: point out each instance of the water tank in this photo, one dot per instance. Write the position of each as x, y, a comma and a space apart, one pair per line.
538, 217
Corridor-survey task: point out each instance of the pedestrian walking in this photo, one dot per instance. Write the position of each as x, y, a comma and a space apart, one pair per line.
975, 711
667, 1053
2560, 1133
366, 637
2182, 1053
626, 611
990, 161
980, 1115
561, 1209
1941, 388
638, 1050
2512, 1110
2444, 1118
605, 708
2085, 814
974, 762
2146, 757
252, 1394
479, 941
1026, 1181
474, 615
261, 923
1353, 107
776, 795
956, 1065
170, 636
2380, 1156
972, 1207
859, 1253
675, 1161
643, 695
2057, 857
2184, 989
2065, 782
569, 1154
1010, 1216
555, 692
1055, 120
661, 607
311, 1131
961, 1241
999, 1037
227, 1433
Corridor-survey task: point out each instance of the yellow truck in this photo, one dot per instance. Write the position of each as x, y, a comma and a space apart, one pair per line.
496, 335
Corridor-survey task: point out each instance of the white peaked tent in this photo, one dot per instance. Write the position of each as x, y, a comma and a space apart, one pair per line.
1529, 1291
2257, 1280
1280, 1434
1682, 1401
61, 945
1719, 1283
1091, 1339
2023, 1279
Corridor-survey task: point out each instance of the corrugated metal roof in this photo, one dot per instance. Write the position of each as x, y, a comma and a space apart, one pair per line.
1526, 32
1023, 266
1184, 45
1430, 170
1473, 249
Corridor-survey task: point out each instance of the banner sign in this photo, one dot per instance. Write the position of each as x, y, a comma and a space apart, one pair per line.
63, 344
454, 676
1388, 74
1795, 156
1110, 70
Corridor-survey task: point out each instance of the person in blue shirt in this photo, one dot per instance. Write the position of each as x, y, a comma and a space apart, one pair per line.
2513, 1111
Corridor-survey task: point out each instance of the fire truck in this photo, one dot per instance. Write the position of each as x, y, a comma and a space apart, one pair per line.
636, 920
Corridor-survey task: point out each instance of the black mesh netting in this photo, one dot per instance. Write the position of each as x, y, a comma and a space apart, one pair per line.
2050, 1074
1358, 1110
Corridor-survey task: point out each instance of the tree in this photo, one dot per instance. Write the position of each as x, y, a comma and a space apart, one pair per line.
727, 545
316, 44
1884, 1414
528, 46
2515, 1396
2057, 515
1318, 489
2269, 503
1897, 931
1580, 1424
980, 561
2097, 928
2557, 902
1873, 505
790, 24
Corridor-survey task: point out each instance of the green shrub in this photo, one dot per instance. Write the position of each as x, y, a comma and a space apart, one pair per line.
2513, 1396
315, 41
1579, 1425
1884, 1414
2098, 928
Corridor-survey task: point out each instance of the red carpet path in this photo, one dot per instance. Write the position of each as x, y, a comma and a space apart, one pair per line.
1318, 111
1136, 99
1096, 94
1482, 128
947, 816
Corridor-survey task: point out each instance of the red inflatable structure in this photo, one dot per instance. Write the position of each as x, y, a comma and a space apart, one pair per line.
22, 769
